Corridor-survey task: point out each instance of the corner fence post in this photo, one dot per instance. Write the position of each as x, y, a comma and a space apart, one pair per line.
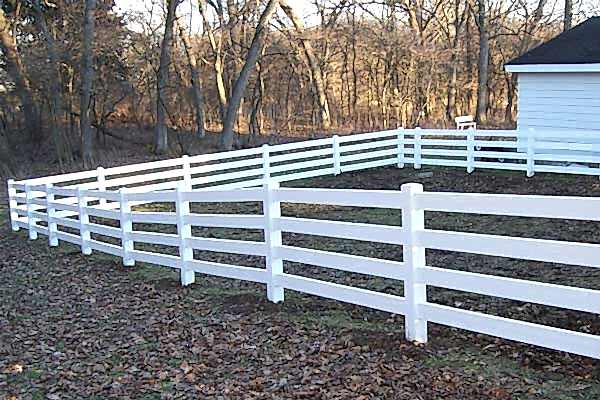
51, 213
84, 220
266, 163
415, 292
337, 168
184, 230
470, 150
274, 263
401, 147
30, 221
12, 205
101, 183
530, 152
187, 177
417, 148
126, 228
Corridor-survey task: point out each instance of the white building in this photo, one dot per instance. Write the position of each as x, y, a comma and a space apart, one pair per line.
559, 81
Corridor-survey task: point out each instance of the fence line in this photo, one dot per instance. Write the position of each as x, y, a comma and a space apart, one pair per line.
61, 208
412, 235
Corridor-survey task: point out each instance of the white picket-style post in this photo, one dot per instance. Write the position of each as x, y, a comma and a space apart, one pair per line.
126, 228
12, 205
401, 147
417, 148
31, 225
266, 163
101, 183
84, 221
415, 292
51, 214
274, 263
184, 229
530, 152
187, 176
337, 168
470, 150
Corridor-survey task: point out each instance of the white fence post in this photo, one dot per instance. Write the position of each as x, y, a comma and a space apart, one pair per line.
337, 168
415, 292
101, 183
186, 253
12, 205
126, 228
401, 147
266, 163
272, 211
470, 150
187, 176
417, 148
30, 221
51, 213
84, 220
530, 152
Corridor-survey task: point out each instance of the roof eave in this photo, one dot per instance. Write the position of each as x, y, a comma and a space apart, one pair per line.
595, 67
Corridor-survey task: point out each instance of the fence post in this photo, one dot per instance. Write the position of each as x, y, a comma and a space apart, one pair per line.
401, 147
30, 221
266, 163
126, 228
12, 205
415, 292
272, 211
101, 183
417, 148
470, 150
186, 253
530, 152
84, 220
187, 176
51, 213
337, 168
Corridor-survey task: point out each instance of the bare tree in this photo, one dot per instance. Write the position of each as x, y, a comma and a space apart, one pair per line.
16, 71
87, 77
61, 142
161, 140
196, 82
313, 64
568, 17
242, 80
482, 63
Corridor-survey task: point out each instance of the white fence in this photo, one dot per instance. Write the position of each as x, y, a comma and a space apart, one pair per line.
413, 236
85, 209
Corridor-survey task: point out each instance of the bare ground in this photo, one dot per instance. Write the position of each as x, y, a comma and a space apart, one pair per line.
86, 327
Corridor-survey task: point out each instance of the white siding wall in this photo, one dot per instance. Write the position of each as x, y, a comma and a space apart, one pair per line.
558, 101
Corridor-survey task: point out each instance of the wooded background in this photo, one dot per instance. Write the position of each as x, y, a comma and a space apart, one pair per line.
75, 75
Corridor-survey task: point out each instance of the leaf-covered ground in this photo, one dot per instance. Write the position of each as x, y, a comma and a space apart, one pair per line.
86, 327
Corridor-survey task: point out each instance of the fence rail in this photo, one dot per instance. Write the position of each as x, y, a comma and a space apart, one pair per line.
96, 211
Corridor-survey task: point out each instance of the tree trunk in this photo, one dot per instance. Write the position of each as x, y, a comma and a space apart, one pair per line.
568, 18
87, 77
161, 140
315, 71
61, 142
242, 80
196, 83
16, 71
482, 64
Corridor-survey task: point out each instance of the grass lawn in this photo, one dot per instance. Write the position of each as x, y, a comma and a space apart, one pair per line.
86, 327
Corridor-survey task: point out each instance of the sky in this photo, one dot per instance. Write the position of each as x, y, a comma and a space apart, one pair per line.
189, 10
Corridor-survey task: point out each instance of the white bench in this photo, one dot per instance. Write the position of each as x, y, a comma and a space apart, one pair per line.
465, 122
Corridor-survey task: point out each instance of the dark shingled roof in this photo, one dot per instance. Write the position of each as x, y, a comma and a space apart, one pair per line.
579, 45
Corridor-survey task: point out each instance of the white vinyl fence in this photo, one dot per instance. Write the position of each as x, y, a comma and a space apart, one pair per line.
96, 210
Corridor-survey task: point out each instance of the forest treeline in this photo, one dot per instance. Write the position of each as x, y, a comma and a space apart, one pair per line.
73, 70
